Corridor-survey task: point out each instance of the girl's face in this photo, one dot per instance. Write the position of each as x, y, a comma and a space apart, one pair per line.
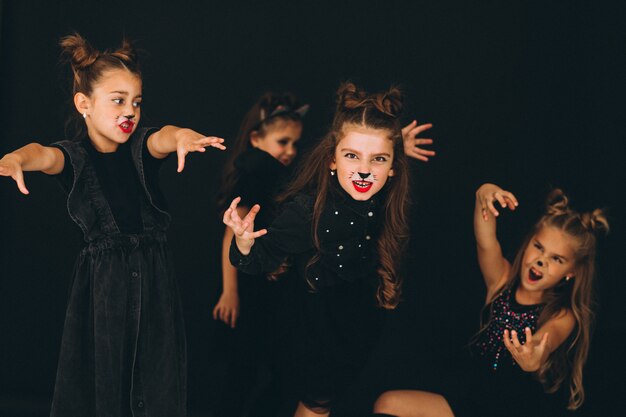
548, 259
113, 109
279, 140
363, 160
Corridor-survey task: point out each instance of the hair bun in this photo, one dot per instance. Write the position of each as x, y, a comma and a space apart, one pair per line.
391, 102
595, 221
349, 96
557, 202
127, 54
80, 53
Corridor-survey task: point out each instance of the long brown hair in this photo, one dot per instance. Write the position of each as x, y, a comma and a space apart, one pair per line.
380, 111
575, 295
89, 64
269, 110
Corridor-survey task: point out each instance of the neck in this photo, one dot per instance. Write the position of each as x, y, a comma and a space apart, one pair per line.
523, 296
102, 144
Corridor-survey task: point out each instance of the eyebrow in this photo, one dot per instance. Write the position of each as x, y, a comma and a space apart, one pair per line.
555, 254
124, 93
357, 152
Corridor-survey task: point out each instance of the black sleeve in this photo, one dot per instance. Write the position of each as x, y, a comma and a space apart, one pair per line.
289, 234
247, 187
65, 177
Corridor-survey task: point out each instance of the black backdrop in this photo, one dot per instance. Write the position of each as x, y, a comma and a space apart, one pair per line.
524, 95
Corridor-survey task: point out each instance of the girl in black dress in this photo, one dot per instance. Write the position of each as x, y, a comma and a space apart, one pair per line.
536, 334
257, 170
340, 235
123, 347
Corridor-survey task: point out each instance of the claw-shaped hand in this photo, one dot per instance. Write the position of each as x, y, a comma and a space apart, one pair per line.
243, 228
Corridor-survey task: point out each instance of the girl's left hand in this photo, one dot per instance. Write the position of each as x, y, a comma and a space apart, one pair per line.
411, 142
188, 140
528, 356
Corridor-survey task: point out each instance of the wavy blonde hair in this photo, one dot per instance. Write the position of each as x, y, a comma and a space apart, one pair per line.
576, 295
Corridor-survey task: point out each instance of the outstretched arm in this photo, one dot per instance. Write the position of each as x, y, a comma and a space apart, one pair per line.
493, 265
412, 143
32, 157
182, 141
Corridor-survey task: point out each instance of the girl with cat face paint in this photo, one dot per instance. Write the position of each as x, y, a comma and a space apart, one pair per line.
339, 237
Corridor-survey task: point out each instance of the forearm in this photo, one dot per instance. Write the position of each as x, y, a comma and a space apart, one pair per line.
163, 142
229, 272
484, 230
35, 157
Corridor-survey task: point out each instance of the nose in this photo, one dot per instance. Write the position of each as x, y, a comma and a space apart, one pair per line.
130, 110
364, 175
290, 150
539, 262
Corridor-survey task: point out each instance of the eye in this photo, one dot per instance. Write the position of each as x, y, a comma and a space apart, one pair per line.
283, 142
137, 104
380, 159
350, 155
537, 245
558, 259
118, 100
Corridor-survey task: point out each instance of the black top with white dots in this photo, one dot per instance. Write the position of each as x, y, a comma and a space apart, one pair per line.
347, 231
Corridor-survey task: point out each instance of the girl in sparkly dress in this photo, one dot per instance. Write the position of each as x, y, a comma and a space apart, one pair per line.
340, 235
538, 314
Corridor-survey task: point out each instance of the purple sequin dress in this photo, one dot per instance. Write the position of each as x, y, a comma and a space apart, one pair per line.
506, 314
489, 383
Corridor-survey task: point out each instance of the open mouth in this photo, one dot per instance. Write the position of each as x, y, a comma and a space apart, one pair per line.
362, 186
534, 275
126, 126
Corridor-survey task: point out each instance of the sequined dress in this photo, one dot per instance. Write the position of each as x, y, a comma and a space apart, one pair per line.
489, 383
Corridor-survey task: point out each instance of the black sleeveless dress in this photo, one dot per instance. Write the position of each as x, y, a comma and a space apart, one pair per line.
489, 382
123, 348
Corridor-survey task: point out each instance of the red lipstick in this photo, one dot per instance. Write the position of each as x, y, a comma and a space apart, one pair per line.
362, 186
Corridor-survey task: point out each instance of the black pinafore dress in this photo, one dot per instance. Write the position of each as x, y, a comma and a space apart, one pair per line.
123, 347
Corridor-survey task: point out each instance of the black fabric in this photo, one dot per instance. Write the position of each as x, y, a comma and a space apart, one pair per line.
259, 179
123, 348
485, 381
252, 348
347, 232
330, 329
119, 181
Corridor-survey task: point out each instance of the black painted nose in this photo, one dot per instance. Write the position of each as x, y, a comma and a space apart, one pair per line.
363, 176
540, 263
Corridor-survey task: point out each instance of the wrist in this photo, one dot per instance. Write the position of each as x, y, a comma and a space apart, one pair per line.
243, 247
179, 134
229, 291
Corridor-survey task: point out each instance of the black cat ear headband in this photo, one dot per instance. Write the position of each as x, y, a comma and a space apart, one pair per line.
284, 109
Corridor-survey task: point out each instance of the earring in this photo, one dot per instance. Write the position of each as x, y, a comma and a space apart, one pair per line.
84, 115
332, 172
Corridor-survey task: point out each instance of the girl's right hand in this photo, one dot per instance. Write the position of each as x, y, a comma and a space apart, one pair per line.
487, 194
227, 308
243, 229
10, 167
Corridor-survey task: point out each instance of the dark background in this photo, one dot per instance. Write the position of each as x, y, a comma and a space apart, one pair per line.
524, 95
